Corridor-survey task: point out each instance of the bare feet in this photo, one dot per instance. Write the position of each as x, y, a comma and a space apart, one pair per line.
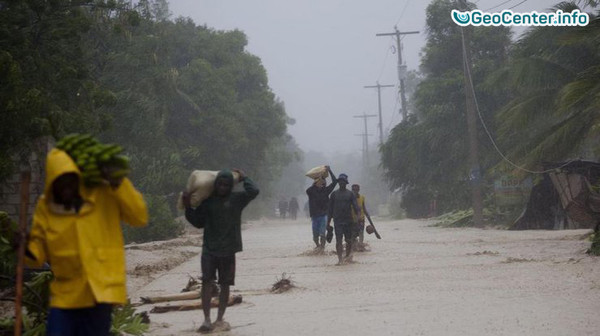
206, 327
221, 326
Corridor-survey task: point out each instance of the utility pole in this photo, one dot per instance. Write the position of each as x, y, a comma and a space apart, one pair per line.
365, 136
378, 87
401, 66
475, 172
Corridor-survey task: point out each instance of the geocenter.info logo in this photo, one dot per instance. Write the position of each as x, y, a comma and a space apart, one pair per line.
509, 18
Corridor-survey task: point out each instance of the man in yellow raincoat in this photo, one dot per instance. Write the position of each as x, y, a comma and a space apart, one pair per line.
360, 218
77, 231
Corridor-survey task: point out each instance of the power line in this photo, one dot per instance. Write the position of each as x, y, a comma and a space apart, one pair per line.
473, 158
519, 4
402, 13
487, 131
505, 2
401, 66
365, 136
387, 53
389, 128
378, 87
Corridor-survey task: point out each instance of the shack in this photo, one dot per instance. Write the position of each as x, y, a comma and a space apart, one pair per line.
565, 198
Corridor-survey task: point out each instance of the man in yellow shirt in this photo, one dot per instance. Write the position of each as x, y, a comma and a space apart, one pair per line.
77, 230
360, 218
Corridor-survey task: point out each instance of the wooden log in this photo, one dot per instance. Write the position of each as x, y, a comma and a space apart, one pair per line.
193, 295
214, 303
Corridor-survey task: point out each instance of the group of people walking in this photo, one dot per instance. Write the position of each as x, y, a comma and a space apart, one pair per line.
347, 210
77, 230
292, 207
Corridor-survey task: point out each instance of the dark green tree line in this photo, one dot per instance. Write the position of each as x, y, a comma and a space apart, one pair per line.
176, 95
426, 155
538, 97
553, 82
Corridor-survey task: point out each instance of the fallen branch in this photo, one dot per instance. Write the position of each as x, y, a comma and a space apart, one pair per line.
282, 285
175, 297
186, 295
192, 285
233, 300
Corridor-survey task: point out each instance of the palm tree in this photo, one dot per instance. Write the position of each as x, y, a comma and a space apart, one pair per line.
555, 81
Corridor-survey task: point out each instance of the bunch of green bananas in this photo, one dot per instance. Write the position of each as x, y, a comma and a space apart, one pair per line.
92, 157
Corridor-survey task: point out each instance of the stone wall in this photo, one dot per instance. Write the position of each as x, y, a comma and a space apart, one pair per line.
10, 190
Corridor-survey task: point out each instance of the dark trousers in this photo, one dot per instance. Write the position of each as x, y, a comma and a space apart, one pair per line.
225, 265
94, 321
343, 231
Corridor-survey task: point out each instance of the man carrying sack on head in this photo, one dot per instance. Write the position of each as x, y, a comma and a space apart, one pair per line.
318, 201
221, 217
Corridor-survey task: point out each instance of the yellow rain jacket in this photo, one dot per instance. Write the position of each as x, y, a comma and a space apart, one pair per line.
85, 250
361, 206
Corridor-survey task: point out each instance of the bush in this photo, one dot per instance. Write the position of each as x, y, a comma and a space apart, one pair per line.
416, 203
162, 224
595, 248
8, 257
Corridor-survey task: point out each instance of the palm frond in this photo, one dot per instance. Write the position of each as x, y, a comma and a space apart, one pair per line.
580, 91
523, 112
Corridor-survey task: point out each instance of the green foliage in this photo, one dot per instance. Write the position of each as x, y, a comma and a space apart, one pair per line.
175, 95
38, 293
595, 248
458, 218
46, 88
126, 321
416, 202
162, 224
187, 97
538, 97
36, 303
463, 218
427, 154
31, 327
8, 257
6, 325
552, 78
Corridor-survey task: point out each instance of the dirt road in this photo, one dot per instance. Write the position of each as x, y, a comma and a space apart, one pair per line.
417, 280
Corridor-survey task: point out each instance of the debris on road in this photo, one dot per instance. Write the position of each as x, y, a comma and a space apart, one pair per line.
214, 303
282, 285
192, 285
174, 297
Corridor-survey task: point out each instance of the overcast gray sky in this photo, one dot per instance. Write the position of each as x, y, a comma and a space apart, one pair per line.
320, 53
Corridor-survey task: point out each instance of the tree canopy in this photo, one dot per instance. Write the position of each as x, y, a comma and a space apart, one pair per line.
428, 151
178, 96
537, 96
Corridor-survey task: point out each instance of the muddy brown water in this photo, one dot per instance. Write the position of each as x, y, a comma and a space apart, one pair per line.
417, 280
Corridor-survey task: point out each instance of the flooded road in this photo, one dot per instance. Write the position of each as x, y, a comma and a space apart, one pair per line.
417, 280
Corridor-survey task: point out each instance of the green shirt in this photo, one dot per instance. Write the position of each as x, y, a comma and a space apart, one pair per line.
221, 218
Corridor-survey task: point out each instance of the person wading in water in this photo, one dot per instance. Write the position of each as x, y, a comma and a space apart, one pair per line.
318, 201
341, 205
